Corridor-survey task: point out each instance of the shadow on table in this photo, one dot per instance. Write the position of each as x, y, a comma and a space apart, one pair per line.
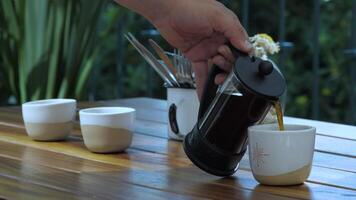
304, 191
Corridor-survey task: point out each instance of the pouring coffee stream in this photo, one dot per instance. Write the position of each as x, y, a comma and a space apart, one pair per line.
279, 112
218, 141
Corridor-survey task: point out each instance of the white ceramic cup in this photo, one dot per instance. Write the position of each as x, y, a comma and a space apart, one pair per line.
183, 107
281, 157
107, 129
50, 119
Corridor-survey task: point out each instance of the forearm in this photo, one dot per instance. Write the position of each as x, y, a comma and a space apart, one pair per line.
150, 9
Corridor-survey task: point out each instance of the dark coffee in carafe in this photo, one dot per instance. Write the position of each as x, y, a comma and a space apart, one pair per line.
233, 113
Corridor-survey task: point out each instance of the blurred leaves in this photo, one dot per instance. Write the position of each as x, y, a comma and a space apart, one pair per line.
48, 47
335, 26
123, 72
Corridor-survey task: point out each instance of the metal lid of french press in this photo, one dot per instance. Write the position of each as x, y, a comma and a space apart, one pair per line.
259, 76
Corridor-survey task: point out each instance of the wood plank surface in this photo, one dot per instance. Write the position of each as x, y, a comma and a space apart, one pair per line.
327, 128
81, 184
154, 167
188, 174
186, 171
145, 125
107, 184
153, 120
160, 106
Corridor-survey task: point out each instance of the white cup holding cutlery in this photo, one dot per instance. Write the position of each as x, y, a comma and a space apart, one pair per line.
183, 107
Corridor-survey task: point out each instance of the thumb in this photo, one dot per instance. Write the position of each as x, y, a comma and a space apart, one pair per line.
228, 24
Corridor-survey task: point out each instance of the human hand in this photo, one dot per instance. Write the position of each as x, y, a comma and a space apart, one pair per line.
200, 28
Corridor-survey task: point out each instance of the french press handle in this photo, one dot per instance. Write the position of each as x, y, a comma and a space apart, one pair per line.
210, 88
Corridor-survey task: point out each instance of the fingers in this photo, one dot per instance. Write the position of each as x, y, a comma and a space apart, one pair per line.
222, 63
201, 74
206, 48
220, 78
225, 60
225, 51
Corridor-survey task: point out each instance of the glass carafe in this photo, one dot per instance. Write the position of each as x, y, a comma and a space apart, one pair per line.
218, 141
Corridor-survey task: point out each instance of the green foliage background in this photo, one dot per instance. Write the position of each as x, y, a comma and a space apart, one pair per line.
119, 71
47, 47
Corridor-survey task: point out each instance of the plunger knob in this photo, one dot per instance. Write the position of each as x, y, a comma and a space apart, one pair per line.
265, 68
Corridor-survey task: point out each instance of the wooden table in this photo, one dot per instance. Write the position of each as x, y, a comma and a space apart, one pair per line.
154, 167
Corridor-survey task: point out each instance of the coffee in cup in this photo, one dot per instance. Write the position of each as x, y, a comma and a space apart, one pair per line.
281, 158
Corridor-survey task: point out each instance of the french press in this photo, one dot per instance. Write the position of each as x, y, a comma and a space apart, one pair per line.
218, 141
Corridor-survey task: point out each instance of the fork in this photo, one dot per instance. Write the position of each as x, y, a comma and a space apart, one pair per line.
184, 68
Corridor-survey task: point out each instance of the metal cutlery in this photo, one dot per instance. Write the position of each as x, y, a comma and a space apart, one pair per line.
160, 52
176, 74
184, 69
162, 70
